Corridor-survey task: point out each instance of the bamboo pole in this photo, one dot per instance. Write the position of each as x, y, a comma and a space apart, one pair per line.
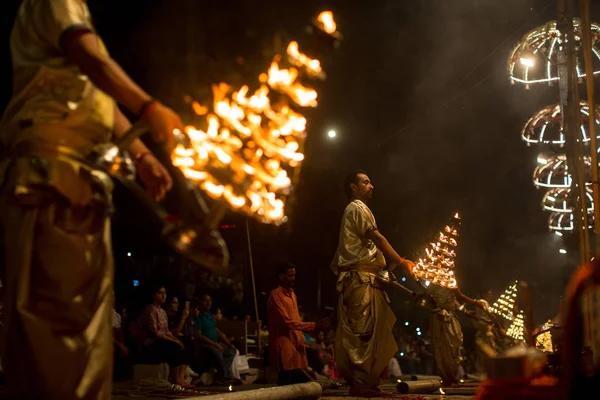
589, 79
252, 270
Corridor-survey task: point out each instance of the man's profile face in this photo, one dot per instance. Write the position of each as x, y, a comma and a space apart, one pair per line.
289, 278
363, 189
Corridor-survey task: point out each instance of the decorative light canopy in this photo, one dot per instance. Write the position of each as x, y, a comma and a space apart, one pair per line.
563, 222
535, 58
552, 172
505, 304
545, 127
253, 141
515, 330
437, 267
559, 200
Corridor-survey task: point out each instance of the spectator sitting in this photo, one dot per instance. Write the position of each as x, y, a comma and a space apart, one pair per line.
215, 343
188, 336
176, 318
160, 344
235, 373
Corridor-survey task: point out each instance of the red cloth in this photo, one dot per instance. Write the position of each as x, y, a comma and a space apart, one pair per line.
286, 340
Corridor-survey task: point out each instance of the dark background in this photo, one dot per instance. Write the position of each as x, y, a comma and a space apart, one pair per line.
420, 97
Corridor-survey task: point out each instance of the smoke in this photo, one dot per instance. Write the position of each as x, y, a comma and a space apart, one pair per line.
464, 151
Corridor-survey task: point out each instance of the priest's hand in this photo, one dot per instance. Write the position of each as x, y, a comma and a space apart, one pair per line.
408, 265
163, 122
155, 177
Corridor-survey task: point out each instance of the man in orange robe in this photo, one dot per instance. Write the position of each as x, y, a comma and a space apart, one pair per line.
287, 352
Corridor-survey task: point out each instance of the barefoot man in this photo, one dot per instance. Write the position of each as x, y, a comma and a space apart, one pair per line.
364, 340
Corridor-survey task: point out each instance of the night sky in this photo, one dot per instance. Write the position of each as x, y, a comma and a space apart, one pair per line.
420, 98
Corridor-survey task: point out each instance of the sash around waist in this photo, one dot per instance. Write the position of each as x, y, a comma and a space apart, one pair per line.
373, 269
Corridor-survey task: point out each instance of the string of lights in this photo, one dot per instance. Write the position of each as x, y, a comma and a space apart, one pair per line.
552, 172
535, 58
545, 126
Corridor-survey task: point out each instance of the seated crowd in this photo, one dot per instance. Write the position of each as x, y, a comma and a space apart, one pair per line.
184, 337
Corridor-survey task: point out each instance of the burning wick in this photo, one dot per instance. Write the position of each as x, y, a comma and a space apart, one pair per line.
250, 146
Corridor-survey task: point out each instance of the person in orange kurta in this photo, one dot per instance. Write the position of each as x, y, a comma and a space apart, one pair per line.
287, 352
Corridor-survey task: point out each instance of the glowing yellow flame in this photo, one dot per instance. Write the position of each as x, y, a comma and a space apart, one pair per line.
515, 331
543, 342
199, 109
329, 25
505, 304
438, 266
301, 60
250, 145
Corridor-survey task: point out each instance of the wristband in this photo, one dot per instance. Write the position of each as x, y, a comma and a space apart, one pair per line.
147, 108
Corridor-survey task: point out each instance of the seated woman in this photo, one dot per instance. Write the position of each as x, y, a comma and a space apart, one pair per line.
160, 344
177, 317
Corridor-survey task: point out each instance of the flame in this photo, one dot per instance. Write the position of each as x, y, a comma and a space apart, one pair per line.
438, 266
516, 329
250, 144
199, 109
505, 303
326, 19
313, 67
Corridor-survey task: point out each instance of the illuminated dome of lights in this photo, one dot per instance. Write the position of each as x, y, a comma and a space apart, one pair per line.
545, 127
535, 58
557, 200
552, 172
564, 221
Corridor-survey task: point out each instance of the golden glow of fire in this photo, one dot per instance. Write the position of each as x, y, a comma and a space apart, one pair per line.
313, 67
543, 342
506, 302
516, 329
329, 25
438, 265
250, 145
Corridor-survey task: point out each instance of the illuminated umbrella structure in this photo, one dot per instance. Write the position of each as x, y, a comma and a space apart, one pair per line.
535, 58
553, 172
546, 126
564, 222
558, 200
